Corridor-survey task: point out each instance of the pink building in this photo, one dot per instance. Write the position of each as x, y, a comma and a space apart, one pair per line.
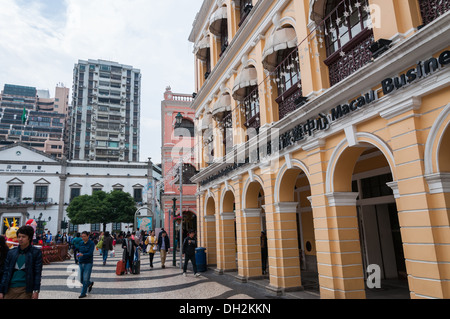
177, 143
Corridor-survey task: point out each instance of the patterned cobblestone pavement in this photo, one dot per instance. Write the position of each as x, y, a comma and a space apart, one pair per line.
59, 282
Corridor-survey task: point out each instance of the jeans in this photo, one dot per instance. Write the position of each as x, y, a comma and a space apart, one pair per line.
85, 276
194, 263
105, 255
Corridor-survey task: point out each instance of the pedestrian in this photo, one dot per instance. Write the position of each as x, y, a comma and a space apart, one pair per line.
99, 244
163, 247
129, 246
58, 238
3, 253
49, 238
86, 262
142, 241
264, 252
76, 246
152, 242
107, 246
23, 268
189, 246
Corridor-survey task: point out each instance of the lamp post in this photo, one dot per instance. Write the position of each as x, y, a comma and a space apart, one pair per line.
174, 232
179, 120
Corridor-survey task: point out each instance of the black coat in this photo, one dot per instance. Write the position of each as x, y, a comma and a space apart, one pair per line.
166, 242
189, 246
33, 266
126, 253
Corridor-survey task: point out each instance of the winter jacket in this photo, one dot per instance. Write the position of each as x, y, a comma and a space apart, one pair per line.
166, 243
87, 249
189, 246
107, 243
33, 268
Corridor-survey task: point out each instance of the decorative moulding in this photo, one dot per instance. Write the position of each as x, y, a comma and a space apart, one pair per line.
438, 183
252, 212
210, 218
394, 187
286, 207
393, 110
342, 199
227, 216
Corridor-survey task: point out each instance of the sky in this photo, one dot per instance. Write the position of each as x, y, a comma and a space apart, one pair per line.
41, 40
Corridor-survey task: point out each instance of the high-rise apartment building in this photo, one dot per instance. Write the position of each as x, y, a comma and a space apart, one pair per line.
105, 118
32, 117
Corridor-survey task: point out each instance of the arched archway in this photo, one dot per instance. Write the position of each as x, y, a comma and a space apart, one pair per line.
227, 242
252, 262
365, 209
292, 193
210, 230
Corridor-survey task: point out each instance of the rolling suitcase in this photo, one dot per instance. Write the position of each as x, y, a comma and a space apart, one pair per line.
120, 268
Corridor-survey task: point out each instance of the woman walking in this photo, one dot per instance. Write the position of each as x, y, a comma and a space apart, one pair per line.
152, 241
129, 246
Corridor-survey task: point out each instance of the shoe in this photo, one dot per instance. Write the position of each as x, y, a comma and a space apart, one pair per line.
197, 275
90, 287
184, 274
82, 296
163, 266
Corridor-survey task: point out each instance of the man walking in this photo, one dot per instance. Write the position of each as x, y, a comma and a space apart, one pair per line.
23, 268
86, 262
163, 247
189, 245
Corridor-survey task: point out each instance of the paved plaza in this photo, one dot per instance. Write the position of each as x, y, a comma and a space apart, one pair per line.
58, 282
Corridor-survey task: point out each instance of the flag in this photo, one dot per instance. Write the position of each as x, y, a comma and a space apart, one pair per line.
24, 116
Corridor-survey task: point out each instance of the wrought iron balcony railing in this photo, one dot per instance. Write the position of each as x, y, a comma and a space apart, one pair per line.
433, 9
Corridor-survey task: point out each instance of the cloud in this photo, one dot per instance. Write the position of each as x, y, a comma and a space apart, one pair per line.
43, 39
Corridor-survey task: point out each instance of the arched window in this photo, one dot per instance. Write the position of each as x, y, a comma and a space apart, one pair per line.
188, 172
186, 129
348, 36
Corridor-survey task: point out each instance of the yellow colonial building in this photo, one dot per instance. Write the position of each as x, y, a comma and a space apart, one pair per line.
325, 124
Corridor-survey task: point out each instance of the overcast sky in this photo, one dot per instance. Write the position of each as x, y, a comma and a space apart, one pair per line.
41, 40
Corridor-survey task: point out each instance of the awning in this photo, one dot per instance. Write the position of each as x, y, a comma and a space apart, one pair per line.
202, 48
284, 38
215, 21
223, 105
247, 77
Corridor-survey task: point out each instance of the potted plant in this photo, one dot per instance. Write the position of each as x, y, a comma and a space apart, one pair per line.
26, 199
177, 219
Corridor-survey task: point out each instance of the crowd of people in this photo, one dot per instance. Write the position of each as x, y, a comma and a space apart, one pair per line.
21, 266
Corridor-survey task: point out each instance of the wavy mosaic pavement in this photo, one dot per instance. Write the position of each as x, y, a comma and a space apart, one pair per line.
58, 282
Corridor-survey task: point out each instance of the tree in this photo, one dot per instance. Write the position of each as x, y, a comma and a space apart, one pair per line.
102, 208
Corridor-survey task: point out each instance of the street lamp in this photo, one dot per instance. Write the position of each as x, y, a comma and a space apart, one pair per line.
174, 232
179, 119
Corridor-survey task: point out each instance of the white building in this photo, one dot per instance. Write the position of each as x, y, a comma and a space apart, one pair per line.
33, 183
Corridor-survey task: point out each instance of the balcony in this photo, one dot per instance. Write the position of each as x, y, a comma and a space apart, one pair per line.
288, 81
433, 9
26, 202
348, 38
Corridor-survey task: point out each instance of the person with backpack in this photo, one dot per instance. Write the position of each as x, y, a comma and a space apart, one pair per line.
107, 246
